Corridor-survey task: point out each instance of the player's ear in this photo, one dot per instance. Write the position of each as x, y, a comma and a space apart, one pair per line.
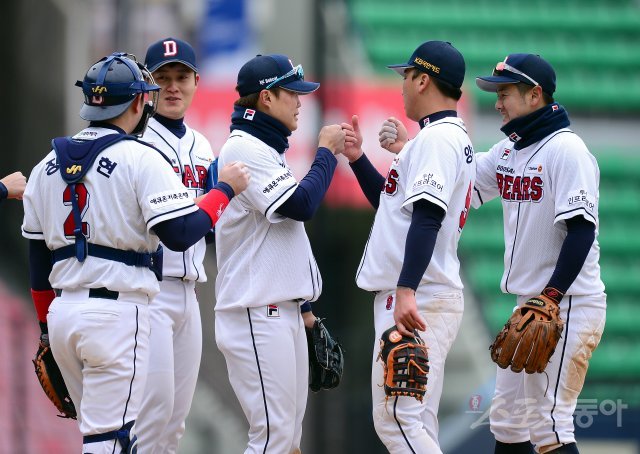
423, 82
197, 77
535, 95
265, 98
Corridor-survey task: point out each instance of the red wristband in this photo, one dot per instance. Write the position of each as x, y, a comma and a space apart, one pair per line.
41, 300
214, 204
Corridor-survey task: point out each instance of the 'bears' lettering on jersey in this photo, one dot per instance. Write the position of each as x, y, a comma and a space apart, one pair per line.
189, 177
520, 188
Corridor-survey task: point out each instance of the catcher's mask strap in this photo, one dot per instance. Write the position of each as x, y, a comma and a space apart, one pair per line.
122, 435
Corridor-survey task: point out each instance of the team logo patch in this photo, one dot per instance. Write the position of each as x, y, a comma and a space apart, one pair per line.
249, 114
273, 311
505, 154
389, 304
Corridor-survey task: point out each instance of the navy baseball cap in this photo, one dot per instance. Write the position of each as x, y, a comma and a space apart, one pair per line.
170, 50
263, 72
438, 59
528, 68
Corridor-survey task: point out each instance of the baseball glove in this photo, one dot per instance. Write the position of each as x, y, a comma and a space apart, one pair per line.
531, 334
326, 358
405, 362
51, 379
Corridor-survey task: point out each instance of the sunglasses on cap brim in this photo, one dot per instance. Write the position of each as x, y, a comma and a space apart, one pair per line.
502, 66
297, 73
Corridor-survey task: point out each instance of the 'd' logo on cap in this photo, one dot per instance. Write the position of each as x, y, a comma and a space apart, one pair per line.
170, 48
248, 114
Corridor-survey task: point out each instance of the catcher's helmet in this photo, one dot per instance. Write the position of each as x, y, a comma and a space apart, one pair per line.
112, 84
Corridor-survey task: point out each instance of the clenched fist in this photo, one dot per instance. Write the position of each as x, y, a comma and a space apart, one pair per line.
15, 184
235, 175
393, 135
332, 137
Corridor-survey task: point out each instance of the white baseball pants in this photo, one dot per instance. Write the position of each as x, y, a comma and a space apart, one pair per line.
540, 407
268, 365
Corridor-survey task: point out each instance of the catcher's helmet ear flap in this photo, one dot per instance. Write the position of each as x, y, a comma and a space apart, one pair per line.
111, 85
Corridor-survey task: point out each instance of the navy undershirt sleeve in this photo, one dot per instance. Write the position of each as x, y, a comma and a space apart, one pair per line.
40, 265
4, 192
305, 307
179, 234
573, 253
426, 221
305, 200
370, 180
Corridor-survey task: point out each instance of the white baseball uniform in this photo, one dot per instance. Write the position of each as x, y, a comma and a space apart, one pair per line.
101, 342
266, 269
541, 186
176, 328
437, 166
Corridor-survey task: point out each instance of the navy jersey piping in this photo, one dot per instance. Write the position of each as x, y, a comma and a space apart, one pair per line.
515, 234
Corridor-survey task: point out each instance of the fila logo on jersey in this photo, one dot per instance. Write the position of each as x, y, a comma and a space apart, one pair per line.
514, 137
74, 169
248, 114
505, 154
273, 311
170, 48
520, 188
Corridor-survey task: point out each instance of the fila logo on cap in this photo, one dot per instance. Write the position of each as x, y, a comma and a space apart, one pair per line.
170, 48
248, 114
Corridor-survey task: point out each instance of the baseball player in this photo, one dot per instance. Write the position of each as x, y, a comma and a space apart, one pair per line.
176, 330
266, 269
93, 207
410, 260
12, 186
548, 183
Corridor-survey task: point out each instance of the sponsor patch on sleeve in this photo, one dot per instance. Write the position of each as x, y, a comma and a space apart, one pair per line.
271, 185
581, 198
168, 198
428, 181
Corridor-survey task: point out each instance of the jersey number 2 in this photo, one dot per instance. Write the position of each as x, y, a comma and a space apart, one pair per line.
465, 213
83, 204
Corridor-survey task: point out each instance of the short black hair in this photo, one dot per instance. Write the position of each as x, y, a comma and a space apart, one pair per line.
525, 88
444, 87
251, 101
